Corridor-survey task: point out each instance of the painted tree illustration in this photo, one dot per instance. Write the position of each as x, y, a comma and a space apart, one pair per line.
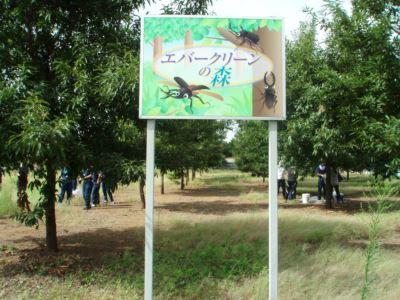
166, 30
269, 44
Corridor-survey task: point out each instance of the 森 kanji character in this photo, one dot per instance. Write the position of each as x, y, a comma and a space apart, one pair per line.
221, 76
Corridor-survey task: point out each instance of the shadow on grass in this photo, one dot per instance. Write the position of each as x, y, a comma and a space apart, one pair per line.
355, 205
229, 190
190, 259
225, 178
224, 207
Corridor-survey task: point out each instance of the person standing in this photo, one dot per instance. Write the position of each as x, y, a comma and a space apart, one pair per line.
87, 186
65, 185
96, 189
335, 176
292, 183
74, 182
106, 191
281, 179
320, 171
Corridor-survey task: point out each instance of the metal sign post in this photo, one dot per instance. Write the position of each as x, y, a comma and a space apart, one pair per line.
273, 209
148, 240
186, 75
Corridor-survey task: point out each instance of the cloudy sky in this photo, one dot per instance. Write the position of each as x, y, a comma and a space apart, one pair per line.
290, 10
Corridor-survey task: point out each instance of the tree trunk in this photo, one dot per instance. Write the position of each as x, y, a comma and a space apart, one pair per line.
182, 181
50, 212
188, 40
1, 177
193, 174
271, 46
263, 179
141, 192
188, 45
157, 49
162, 183
328, 188
22, 185
347, 175
187, 176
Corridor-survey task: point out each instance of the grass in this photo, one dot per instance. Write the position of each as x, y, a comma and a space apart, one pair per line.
8, 196
224, 257
228, 259
253, 195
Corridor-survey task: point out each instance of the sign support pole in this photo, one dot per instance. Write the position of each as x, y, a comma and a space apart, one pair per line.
148, 240
273, 209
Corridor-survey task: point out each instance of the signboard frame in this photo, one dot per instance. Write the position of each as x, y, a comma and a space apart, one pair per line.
283, 62
272, 168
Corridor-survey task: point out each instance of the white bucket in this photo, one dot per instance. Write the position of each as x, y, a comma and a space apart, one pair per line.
305, 198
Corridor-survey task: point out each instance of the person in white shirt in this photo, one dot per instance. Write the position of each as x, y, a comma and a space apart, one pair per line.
281, 179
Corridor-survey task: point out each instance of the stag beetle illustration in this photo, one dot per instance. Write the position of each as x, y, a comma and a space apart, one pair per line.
251, 38
268, 96
186, 91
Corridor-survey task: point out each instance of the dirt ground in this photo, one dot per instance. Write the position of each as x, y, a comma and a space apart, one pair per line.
80, 230
85, 237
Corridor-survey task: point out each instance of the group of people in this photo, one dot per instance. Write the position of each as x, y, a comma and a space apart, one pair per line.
92, 181
288, 187
320, 171
287, 182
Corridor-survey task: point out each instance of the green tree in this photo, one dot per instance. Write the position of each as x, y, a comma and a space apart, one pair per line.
340, 93
194, 145
251, 148
228, 149
68, 92
376, 49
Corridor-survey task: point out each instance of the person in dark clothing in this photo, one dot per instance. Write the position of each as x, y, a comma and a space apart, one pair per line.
74, 184
106, 191
335, 178
87, 186
65, 185
320, 171
291, 184
96, 189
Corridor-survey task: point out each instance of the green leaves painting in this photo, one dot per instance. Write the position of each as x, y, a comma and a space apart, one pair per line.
172, 29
